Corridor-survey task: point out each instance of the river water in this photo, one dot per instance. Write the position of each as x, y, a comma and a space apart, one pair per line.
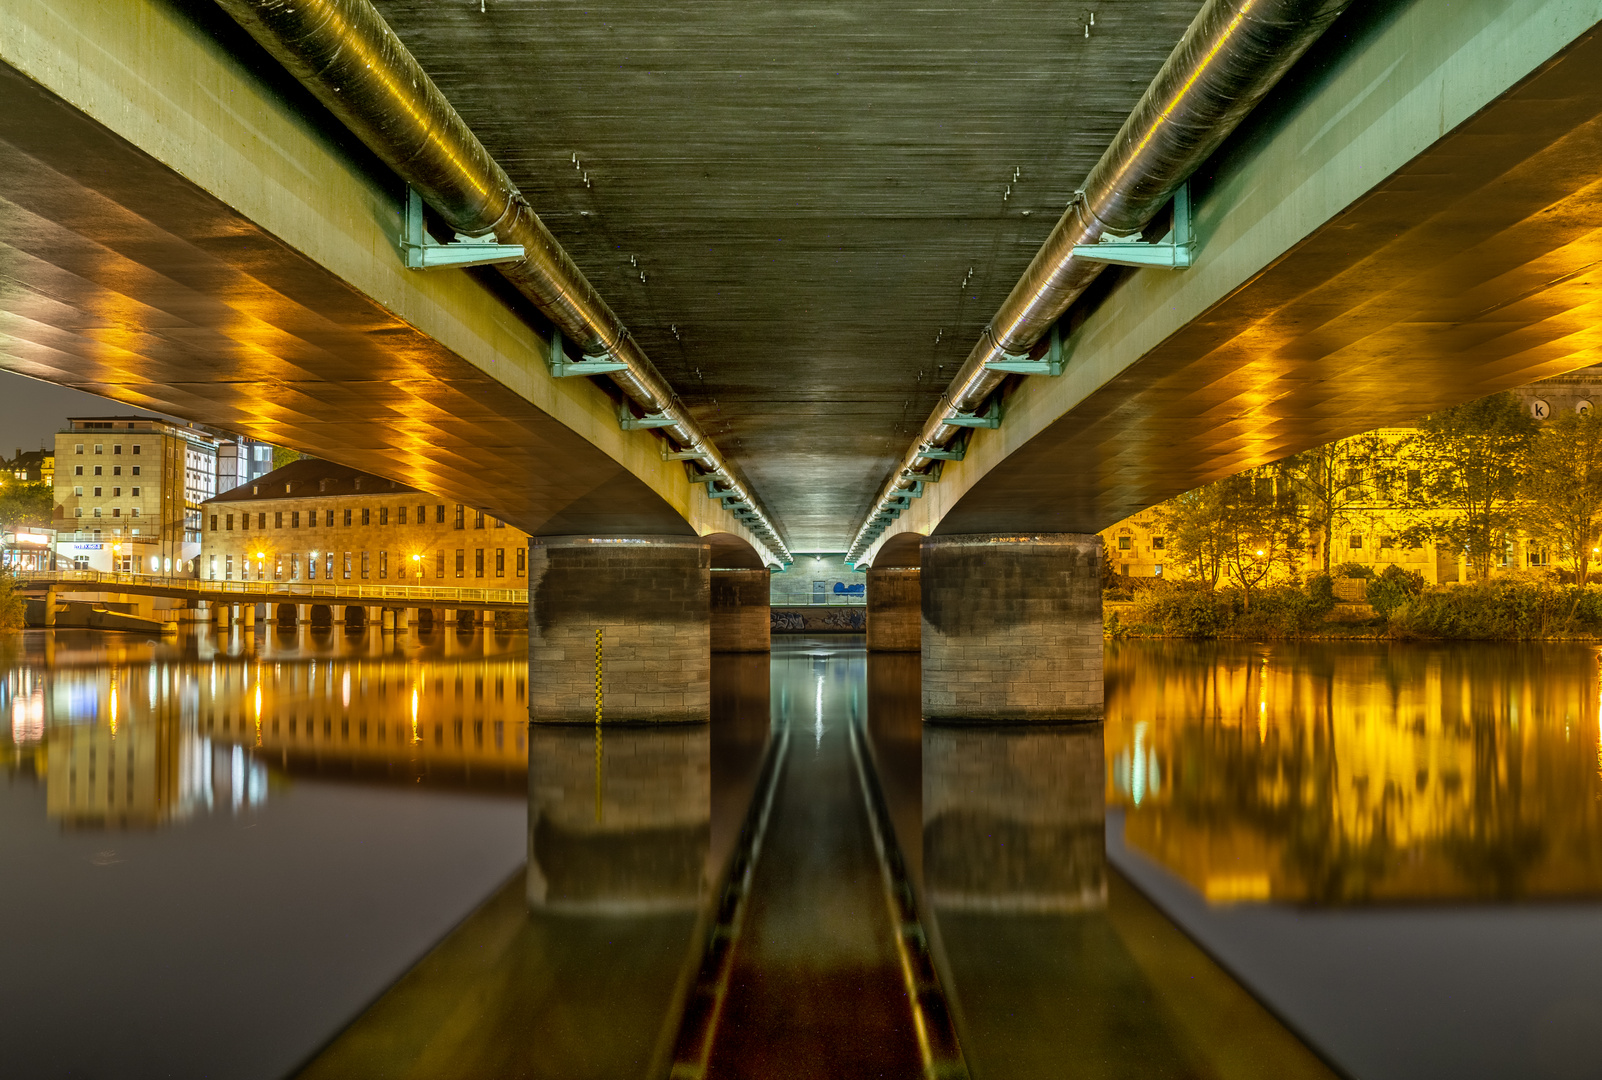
332, 854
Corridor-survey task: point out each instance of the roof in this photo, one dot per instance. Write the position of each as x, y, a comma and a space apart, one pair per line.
312, 478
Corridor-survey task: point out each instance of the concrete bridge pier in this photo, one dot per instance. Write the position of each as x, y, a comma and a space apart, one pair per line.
406, 619
894, 609
742, 619
50, 609
650, 598
303, 614
1012, 628
247, 617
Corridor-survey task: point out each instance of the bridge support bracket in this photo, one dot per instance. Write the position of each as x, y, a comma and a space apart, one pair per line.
1020, 363
629, 422
1172, 252
563, 368
990, 418
423, 252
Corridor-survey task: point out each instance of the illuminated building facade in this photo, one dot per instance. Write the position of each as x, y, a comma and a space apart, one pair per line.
128, 491
316, 521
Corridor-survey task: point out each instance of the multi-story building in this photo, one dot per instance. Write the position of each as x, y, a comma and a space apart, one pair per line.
316, 521
34, 466
128, 491
240, 460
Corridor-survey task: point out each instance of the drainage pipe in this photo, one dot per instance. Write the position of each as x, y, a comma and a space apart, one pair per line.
348, 57
1231, 55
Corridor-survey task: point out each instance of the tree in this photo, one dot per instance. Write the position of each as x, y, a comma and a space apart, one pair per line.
1190, 522
1472, 458
1330, 481
24, 505
1240, 529
1563, 488
283, 455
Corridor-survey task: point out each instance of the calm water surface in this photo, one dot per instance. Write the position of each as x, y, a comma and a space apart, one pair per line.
333, 855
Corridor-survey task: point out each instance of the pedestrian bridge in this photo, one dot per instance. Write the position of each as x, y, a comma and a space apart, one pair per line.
222, 593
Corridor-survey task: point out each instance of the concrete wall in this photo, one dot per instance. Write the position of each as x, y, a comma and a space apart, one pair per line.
894, 610
651, 597
741, 615
795, 585
1012, 627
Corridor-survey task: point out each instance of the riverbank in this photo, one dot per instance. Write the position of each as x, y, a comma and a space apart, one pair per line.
1517, 607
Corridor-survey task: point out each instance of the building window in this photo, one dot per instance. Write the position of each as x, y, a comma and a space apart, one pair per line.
367, 516
136, 470
99, 449
1538, 558
278, 519
478, 562
99, 470
500, 562
1125, 543
136, 450
460, 515
116, 470
347, 518
1158, 543
1157, 571
294, 568
117, 448
77, 470
367, 565
1413, 479
383, 515
135, 493
97, 492
478, 519
77, 491
311, 567
78, 512
499, 524
328, 518
261, 520
521, 565
211, 569
328, 566
1355, 542
230, 523
134, 513
461, 560
439, 514
228, 568
422, 514
1386, 542
294, 519
383, 564
116, 511
77, 448
439, 564
347, 565
401, 519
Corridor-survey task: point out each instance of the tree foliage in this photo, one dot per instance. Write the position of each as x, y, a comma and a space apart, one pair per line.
1563, 489
1242, 529
1330, 482
1472, 458
24, 505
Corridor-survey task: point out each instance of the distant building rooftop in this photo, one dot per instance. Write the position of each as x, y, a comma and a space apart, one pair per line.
311, 478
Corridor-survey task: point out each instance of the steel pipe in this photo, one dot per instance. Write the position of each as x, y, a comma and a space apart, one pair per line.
1230, 56
345, 53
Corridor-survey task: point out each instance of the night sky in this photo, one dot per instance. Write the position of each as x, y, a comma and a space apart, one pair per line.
31, 412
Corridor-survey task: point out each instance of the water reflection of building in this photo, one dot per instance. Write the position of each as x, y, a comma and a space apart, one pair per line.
458, 719
124, 738
118, 747
1333, 774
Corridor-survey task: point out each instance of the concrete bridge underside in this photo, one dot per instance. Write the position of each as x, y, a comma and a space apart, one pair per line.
781, 211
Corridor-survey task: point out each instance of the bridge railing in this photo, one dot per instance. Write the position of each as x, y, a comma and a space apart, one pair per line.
413, 595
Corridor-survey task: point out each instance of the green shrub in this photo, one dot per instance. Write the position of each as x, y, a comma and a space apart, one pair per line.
1179, 609
1321, 591
1498, 610
1393, 588
1353, 570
